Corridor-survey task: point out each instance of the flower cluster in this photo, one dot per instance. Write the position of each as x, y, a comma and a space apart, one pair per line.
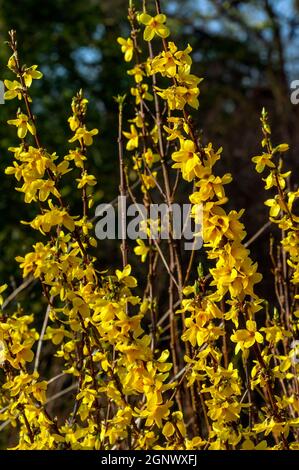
217, 369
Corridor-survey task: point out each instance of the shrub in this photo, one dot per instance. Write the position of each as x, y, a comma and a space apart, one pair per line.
218, 370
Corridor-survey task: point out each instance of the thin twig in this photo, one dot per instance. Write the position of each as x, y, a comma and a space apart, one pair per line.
42, 334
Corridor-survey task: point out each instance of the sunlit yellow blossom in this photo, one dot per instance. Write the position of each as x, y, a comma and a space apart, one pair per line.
2, 289
148, 181
77, 157
276, 180
141, 93
86, 180
137, 72
263, 160
51, 218
132, 137
125, 278
14, 89
154, 25
84, 136
127, 48
247, 337
186, 159
31, 73
141, 250
24, 124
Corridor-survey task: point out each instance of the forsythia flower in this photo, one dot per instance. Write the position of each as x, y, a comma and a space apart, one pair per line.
127, 48
2, 289
24, 124
138, 74
132, 137
86, 180
263, 160
137, 385
14, 89
148, 181
141, 250
247, 337
84, 136
186, 159
154, 25
125, 278
51, 218
77, 157
156, 411
31, 73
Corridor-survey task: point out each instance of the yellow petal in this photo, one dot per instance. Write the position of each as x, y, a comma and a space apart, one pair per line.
148, 33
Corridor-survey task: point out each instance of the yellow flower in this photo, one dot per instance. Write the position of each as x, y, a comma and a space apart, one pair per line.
125, 278
2, 289
195, 333
271, 425
248, 444
247, 337
276, 179
137, 72
11, 64
51, 218
141, 250
235, 272
186, 159
18, 383
166, 63
73, 122
77, 157
13, 89
178, 96
56, 335
154, 25
150, 157
184, 57
23, 351
223, 410
127, 47
47, 187
174, 131
30, 74
156, 410
38, 390
227, 380
24, 124
86, 179
132, 137
216, 224
84, 136
210, 187
276, 205
263, 160
141, 93
276, 333
148, 181
168, 429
